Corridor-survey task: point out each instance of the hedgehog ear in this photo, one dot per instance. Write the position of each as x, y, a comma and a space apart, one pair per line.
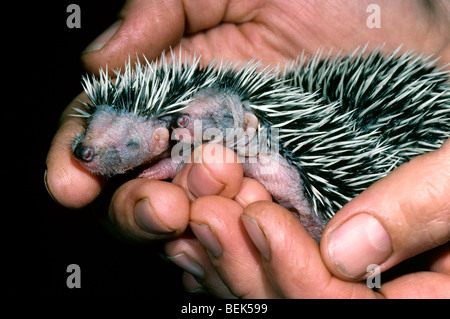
250, 124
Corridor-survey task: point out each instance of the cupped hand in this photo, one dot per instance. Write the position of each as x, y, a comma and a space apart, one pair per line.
275, 31
248, 248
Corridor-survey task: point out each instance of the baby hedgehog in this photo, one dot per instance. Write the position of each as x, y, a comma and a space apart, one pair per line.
315, 133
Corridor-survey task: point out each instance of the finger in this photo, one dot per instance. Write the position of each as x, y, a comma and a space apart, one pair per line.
149, 27
145, 209
191, 284
189, 254
215, 170
400, 216
291, 258
143, 27
432, 286
440, 259
66, 181
251, 191
216, 223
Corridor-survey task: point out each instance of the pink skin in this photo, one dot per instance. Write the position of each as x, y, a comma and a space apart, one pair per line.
207, 118
114, 143
282, 180
165, 168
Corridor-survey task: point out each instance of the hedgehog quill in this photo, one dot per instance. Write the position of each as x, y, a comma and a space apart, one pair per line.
340, 123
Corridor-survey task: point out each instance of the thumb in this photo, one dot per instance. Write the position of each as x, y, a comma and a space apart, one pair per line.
402, 215
143, 27
150, 26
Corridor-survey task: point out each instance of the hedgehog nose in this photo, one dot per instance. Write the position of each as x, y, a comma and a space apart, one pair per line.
84, 153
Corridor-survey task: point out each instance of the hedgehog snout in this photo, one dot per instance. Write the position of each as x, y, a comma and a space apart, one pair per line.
84, 153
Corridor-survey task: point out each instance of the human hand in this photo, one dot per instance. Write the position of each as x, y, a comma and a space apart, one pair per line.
258, 249
274, 31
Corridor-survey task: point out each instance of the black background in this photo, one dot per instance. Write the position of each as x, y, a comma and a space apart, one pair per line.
41, 238
42, 73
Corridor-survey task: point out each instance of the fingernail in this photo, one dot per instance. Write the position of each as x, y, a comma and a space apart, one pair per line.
207, 238
103, 38
201, 183
359, 242
257, 236
199, 290
147, 220
189, 264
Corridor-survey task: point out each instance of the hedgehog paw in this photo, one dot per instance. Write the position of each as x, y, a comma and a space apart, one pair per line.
165, 168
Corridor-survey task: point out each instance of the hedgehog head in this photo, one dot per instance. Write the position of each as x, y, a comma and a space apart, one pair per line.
214, 115
115, 142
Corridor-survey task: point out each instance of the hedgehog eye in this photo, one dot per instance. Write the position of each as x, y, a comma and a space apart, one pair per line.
133, 143
182, 121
